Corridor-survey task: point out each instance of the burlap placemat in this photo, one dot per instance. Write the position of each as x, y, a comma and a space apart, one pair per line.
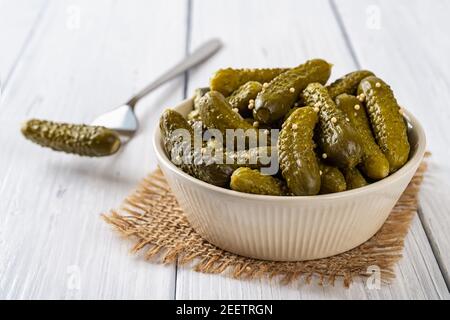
152, 217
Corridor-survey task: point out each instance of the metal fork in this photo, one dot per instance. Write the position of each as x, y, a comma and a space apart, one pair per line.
123, 119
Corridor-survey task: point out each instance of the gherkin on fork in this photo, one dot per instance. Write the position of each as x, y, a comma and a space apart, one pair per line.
83, 140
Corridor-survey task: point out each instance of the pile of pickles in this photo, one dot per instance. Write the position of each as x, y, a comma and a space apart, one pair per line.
332, 138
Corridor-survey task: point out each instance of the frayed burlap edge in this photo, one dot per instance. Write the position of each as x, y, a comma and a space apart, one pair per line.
151, 217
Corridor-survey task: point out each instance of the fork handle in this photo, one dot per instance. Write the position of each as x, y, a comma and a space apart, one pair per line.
205, 51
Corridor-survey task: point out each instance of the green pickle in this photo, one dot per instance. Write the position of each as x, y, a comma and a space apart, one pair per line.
332, 138
280, 122
288, 114
386, 120
348, 83
240, 98
279, 96
298, 162
374, 164
91, 141
216, 113
169, 122
252, 121
332, 179
194, 115
338, 140
216, 174
354, 178
198, 94
226, 81
252, 181
254, 158
212, 172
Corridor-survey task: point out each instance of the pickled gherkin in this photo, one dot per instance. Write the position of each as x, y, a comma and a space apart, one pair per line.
216, 113
374, 163
169, 122
241, 98
198, 94
387, 122
332, 179
354, 178
297, 159
288, 114
217, 164
254, 157
252, 181
348, 83
279, 96
251, 123
280, 122
339, 141
91, 141
226, 81
194, 115
185, 154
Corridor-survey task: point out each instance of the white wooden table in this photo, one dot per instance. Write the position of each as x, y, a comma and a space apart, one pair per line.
71, 60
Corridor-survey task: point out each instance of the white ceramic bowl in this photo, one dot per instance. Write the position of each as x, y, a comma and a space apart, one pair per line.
289, 228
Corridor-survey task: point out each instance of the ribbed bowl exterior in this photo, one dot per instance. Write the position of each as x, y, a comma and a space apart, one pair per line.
290, 231
287, 228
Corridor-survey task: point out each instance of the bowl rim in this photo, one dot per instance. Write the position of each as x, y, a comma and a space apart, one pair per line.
411, 164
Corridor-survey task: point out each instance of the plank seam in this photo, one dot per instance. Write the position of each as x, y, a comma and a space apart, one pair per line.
344, 32
434, 248
185, 89
187, 44
427, 232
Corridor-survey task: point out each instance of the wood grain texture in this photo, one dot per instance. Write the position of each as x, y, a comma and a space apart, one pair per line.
285, 40
18, 19
407, 285
405, 42
53, 243
71, 60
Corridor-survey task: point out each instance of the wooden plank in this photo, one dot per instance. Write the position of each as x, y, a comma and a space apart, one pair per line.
267, 33
411, 53
18, 20
193, 285
53, 243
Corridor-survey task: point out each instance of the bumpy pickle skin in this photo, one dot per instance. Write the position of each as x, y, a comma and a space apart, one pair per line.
211, 172
386, 120
374, 164
254, 158
252, 181
198, 94
354, 179
216, 174
279, 96
83, 140
332, 179
217, 113
240, 98
348, 83
194, 115
338, 140
226, 81
169, 122
298, 163
288, 114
